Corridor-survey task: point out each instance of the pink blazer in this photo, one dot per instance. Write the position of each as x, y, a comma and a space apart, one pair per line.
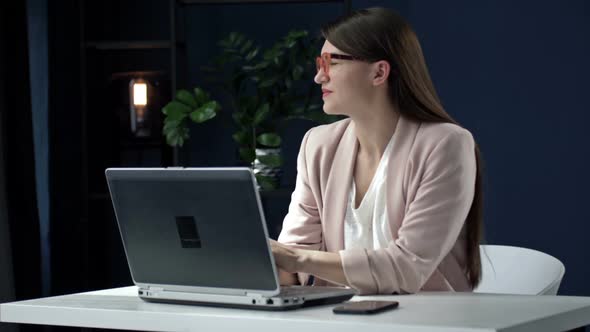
430, 186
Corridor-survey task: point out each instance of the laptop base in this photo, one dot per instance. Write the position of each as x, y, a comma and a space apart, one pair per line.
306, 303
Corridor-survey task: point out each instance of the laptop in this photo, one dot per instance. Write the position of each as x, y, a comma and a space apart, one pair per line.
198, 236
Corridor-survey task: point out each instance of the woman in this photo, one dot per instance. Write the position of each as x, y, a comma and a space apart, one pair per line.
388, 200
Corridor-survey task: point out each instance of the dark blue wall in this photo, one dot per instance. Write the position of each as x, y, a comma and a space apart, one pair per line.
514, 73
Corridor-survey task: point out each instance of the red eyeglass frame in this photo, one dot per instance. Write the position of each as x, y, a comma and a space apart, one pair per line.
324, 60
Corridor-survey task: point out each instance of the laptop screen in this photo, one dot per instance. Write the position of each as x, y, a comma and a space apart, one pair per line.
192, 227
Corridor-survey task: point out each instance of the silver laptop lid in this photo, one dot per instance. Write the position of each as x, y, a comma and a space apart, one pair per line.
194, 229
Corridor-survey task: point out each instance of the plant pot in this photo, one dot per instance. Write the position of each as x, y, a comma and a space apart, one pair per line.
273, 173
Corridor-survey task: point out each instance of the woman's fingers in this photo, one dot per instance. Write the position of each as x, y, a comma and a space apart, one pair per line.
285, 257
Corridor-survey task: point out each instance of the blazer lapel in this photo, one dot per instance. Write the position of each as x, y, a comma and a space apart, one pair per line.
340, 177
337, 190
404, 138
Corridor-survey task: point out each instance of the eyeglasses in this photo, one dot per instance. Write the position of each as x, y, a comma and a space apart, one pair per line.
323, 62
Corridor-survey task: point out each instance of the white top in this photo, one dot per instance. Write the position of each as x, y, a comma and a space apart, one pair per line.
368, 226
122, 309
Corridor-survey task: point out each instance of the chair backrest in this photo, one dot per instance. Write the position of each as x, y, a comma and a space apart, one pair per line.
514, 270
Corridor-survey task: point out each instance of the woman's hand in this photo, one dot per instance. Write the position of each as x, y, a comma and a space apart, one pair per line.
286, 258
324, 265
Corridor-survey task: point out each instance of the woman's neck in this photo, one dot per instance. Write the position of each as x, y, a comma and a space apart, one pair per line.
374, 129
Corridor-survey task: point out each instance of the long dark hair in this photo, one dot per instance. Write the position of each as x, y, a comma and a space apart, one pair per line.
375, 34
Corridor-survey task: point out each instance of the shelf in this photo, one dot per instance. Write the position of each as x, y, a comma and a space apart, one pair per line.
130, 45
141, 144
241, 2
139, 73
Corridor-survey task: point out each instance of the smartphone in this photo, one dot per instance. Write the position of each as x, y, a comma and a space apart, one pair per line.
365, 307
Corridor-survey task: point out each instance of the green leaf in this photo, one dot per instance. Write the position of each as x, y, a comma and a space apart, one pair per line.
176, 111
271, 160
269, 139
231, 51
205, 112
268, 82
177, 137
170, 125
298, 110
217, 106
252, 54
200, 116
241, 137
269, 54
261, 114
186, 98
239, 39
170, 132
314, 107
232, 37
263, 65
240, 118
294, 34
246, 46
201, 96
266, 182
247, 155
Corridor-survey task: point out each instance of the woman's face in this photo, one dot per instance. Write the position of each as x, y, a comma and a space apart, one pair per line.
347, 87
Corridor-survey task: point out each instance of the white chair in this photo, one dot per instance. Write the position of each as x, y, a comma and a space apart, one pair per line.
514, 270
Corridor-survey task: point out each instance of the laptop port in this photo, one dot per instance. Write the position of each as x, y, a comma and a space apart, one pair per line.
253, 301
269, 301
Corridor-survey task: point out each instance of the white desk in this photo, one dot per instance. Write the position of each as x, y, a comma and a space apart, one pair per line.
120, 308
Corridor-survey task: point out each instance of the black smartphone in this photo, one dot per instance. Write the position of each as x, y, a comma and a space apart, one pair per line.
365, 307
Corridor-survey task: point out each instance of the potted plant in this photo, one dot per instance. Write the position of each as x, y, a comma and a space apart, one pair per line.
266, 90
